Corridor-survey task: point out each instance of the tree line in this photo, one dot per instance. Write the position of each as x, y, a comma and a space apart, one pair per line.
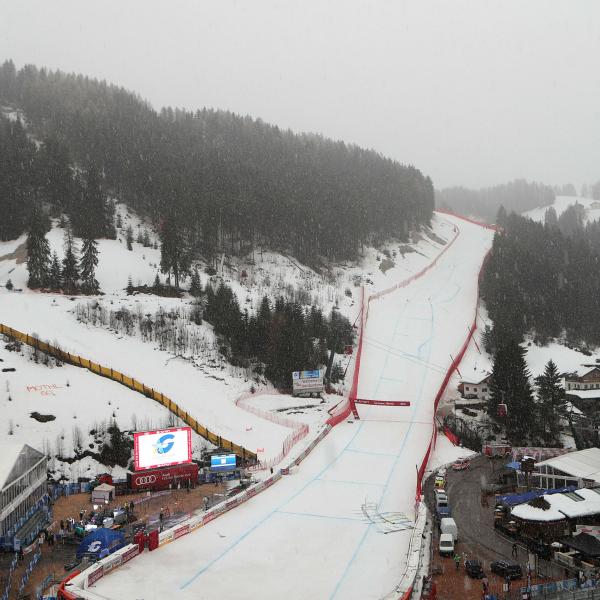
518, 195
211, 180
542, 279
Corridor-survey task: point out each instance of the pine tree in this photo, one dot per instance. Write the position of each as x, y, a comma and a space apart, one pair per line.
70, 272
195, 285
88, 264
509, 384
129, 287
551, 403
157, 284
38, 250
129, 237
55, 273
173, 253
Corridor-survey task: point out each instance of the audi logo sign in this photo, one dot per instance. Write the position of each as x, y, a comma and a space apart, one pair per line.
145, 480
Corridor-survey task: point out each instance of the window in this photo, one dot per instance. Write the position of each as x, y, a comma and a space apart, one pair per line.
559, 483
575, 483
467, 388
484, 390
544, 482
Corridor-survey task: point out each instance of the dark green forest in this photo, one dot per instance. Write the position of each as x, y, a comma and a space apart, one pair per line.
543, 279
518, 196
214, 180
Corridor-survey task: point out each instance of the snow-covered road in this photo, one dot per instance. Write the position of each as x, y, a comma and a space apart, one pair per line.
308, 536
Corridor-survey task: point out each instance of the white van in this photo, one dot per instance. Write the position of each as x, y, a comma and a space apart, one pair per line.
448, 525
446, 544
440, 492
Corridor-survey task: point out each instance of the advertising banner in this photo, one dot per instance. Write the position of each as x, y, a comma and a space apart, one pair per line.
222, 462
162, 448
307, 381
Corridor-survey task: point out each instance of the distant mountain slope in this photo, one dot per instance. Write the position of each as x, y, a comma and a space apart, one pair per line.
227, 182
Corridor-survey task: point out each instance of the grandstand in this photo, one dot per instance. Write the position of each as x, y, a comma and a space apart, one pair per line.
24, 502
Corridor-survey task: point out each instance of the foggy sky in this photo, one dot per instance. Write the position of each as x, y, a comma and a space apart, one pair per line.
471, 92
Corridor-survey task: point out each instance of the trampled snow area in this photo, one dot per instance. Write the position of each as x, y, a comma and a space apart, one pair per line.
308, 536
561, 203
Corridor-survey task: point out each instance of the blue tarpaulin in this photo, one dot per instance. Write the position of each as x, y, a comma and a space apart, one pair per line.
514, 499
101, 542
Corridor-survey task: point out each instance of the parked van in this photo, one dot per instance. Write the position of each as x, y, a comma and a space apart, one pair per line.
441, 501
448, 525
439, 483
446, 544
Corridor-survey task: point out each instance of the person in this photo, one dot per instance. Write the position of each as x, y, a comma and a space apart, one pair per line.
457, 561
205, 502
161, 515
485, 583
131, 506
515, 550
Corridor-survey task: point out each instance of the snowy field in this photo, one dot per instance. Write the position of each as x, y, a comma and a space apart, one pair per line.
80, 403
309, 536
561, 203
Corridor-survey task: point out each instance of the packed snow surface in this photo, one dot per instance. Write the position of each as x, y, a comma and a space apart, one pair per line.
308, 536
561, 203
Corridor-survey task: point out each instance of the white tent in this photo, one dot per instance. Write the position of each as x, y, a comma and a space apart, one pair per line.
103, 493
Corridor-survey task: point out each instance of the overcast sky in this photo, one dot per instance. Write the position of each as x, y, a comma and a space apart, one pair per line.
472, 92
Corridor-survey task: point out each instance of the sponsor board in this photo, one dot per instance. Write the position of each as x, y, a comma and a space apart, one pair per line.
165, 536
95, 575
223, 462
195, 522
307, 381
208, 517
108, 566
131, 553
183, 530
162, 448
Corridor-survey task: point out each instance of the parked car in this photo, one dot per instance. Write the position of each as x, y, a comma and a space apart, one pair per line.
505, 568
461, 463
441, 496
440, 483
446, 547
474, 569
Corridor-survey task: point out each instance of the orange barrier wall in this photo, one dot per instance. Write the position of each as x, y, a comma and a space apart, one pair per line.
131, 383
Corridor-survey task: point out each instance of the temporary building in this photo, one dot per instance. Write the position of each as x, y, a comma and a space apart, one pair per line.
103, 493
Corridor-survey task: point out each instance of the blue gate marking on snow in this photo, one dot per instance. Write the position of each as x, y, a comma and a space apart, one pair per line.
407, 435
401, 450
269, 514
335, 518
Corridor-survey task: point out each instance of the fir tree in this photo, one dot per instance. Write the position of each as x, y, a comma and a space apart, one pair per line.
509, 384
38, 250
157, 284
129, 237
551, 403
9, 285
88, 264
70, 272
129, 287
195, 285
55, 273
173, 256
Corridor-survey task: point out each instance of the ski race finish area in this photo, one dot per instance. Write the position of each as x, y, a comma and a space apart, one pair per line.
340, 524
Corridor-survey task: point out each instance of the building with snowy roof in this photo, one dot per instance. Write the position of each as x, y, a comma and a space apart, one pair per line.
475, 388
580, 469
23, 494
588, 379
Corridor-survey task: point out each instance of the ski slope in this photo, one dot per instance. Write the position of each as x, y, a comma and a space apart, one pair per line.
309, 536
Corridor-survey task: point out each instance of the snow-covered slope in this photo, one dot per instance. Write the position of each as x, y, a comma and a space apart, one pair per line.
280, 543
202, 384
561, 203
